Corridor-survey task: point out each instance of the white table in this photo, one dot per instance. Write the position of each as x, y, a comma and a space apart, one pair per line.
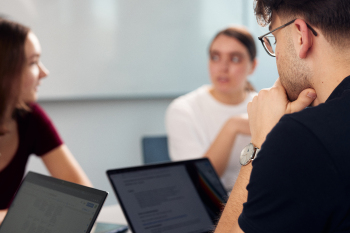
112, 214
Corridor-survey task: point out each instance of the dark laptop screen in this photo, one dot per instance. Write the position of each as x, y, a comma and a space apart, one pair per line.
173, 197
48, 205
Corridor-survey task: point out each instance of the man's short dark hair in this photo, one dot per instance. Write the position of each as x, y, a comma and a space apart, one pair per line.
332, 17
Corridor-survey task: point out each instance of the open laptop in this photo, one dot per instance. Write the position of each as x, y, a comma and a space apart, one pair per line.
49, 205
185, 196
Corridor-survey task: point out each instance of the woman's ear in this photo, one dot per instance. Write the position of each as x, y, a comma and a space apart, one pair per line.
303, 38
254, 63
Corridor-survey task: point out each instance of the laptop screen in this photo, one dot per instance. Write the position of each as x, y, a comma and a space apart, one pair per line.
184, 196
48, 205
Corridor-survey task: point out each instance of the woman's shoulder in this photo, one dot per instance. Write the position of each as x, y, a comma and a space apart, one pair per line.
34, 116
193, 96
37, 109
38, 113
36, 124
188, 102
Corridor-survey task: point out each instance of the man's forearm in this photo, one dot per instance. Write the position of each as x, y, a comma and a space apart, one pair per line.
2, 215
234, 205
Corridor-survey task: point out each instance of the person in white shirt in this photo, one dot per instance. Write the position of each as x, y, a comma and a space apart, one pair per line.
211, 121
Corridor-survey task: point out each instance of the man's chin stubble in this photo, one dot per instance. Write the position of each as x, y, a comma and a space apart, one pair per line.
293, 90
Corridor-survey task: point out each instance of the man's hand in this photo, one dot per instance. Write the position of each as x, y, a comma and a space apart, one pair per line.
270, 105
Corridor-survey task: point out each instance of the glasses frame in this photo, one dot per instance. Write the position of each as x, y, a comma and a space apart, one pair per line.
285, 25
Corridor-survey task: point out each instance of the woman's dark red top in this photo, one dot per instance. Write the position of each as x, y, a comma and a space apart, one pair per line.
37, 135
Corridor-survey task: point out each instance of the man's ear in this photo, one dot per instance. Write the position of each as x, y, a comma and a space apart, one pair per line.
304, 38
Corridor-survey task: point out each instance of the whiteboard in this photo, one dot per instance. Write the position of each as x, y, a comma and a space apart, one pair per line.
125, 48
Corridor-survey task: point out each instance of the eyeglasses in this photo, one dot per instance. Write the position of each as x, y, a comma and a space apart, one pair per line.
269, 41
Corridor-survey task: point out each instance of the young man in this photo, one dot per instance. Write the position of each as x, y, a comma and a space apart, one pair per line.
300, 179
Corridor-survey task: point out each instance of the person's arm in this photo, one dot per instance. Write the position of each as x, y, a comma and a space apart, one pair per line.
48, 144
62, 165
185, 141
220, 150
2, 215
229, 218
264, 112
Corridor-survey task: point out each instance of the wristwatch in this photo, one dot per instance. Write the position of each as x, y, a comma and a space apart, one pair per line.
248, 154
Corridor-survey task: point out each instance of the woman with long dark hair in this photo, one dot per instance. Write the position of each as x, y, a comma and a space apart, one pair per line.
25, 128
212, 120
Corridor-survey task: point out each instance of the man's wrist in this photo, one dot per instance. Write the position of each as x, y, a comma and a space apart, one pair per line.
257, 142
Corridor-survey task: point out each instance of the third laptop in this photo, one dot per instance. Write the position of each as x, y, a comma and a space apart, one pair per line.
185, 196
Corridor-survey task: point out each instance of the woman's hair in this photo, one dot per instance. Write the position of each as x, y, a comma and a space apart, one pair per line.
243, 36
12, 61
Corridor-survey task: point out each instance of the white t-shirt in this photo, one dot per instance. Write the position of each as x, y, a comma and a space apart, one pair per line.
194, 120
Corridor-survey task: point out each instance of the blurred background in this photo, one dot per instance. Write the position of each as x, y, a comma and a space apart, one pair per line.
115, 66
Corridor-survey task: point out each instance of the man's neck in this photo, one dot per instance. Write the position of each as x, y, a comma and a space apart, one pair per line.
329, 70
325, 82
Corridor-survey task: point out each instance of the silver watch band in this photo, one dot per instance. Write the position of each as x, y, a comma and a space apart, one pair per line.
256, 152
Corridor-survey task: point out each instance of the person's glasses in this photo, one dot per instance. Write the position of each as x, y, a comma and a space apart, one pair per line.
269, 41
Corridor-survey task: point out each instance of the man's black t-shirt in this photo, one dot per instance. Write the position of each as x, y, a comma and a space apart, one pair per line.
300, 180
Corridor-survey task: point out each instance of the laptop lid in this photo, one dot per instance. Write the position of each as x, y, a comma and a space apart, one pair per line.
185, 196
49, 205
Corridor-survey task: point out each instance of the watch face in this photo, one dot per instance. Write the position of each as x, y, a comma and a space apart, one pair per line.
246, 154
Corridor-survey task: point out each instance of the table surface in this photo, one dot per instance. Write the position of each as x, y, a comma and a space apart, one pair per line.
112, 214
